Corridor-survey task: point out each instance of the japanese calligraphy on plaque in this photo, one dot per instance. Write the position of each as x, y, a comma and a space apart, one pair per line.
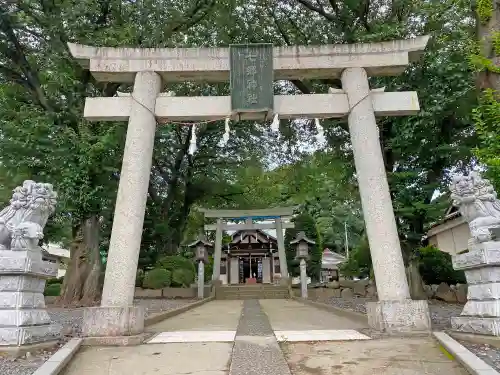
251, 78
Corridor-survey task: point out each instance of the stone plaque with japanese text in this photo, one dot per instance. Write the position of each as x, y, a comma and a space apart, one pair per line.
251, 78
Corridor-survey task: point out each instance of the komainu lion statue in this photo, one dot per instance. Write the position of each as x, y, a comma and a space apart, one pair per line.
477, 202
22, 222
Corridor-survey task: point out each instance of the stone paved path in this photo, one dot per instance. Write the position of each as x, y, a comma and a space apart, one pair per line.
241, 338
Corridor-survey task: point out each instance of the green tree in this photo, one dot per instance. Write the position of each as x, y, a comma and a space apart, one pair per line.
42, 93
359, 263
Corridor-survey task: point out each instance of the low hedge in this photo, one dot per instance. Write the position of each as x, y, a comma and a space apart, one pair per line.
52, 290
182, 278
175, 262
436, 267
157, 278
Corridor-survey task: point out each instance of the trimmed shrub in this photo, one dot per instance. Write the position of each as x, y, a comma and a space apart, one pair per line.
52, 290
207, 273
139, 278
157, 278
435, 267
182, 278
174, 262
54, 280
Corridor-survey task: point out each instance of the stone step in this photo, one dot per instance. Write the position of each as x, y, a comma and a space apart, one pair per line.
247, 295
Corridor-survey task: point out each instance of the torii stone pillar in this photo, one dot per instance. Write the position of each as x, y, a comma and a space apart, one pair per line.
395, 311
217, 253
117, 316
281, 251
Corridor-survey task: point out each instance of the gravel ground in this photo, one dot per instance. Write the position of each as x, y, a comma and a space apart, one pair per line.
487, 353
71, 320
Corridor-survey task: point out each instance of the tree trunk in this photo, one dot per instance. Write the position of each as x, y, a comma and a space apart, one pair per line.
81, 286
488, 31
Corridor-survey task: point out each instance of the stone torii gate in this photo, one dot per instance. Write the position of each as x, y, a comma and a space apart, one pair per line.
278, 225
148, 69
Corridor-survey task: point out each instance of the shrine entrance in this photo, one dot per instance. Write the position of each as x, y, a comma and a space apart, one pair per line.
251, 71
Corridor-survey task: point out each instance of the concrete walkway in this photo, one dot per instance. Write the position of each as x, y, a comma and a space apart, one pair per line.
275, 337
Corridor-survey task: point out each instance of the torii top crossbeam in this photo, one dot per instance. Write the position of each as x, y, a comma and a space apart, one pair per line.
237, 214
119, 64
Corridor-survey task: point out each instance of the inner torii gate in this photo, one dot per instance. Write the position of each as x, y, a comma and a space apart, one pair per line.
148, 69
275, 213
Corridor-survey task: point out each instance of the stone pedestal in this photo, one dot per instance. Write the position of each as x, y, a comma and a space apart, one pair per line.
303, 279
201, 279
113, 321
481, 313
23, 318
396, 317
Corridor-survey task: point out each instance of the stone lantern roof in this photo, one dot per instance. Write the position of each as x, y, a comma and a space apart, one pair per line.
301, 236
201, 239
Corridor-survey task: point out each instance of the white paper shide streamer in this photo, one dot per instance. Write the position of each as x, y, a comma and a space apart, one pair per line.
275, 125
192, 142
321, 132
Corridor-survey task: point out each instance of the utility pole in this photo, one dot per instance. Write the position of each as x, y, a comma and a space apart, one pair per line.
346, 241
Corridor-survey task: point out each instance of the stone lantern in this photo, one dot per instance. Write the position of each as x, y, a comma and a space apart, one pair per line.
303, 243
201, 246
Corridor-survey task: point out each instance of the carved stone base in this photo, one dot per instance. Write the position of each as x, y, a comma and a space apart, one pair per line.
23, 318
113, 321
477, 325
481, 313
396, 317
17, 336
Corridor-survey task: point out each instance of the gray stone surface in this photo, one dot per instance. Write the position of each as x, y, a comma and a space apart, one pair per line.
376, 201
445, 293
441, 312
258, 355
71, 320
346, 293
386, 356
113, 321
256, 350
153, 359
479, 325
253, 320
125, 241
399, 316
17, 336
485, 291
461, 292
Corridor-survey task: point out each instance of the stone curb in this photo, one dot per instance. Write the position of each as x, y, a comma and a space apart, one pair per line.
473, 364
58, 361
156, 318
344, 312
